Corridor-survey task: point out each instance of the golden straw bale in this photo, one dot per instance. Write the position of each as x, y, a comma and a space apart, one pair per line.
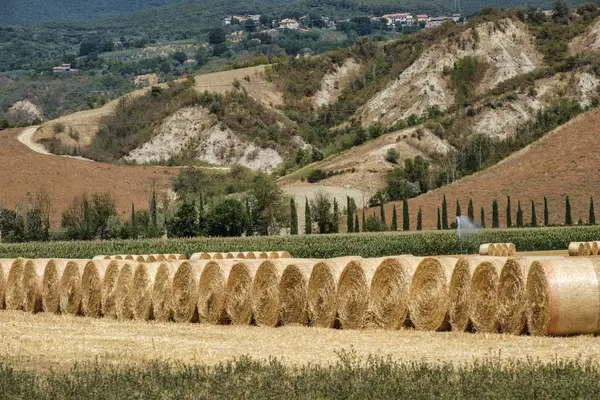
124, 304
140, 258
14, 285
70, 287
240, 255
33, 275
109, 285
273, 255
576, 249
200, 256
587, 249
150, 258
5, 264
388, 295
593, 248
216, 256
185, 291
429, 297
91, 286
483, 295
322, 290
237, 291
293, 291
211, 291
250, 255
162, 290
352, 296
229, 256
460, 285
117, 257
563, 297
264, 293
141, 289
487, 249
129, 257
261, 255
284, 254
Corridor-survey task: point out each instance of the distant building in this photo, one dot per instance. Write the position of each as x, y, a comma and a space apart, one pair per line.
289, 23
227, 21
64, 68
456, 17
437, 21
422, 17
399, 18
244, 18
237, 36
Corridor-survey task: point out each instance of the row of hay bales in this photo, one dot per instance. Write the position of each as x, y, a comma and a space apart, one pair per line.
242, 255
143, 258
584, 249
497, 249
543, 295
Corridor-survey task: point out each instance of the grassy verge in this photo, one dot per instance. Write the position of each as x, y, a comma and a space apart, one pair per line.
349, 378
423, 243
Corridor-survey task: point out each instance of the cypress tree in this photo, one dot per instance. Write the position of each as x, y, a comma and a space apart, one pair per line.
307, 218
470, 211
363, 220
495, 217
394, 226
420, 220
519, 215
356, 226
133, 223
444, 213
336, 217
568, 217
482, 218
546, 216
592, 214
508, 213
439, 223
293, 217
533, 215
249, 227
349, 215
153, 211
382, 213
405, 216
458, 211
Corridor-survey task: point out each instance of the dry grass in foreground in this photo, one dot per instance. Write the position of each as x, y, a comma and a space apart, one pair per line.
44, 341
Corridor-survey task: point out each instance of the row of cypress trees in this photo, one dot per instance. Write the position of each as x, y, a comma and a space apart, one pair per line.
353, 224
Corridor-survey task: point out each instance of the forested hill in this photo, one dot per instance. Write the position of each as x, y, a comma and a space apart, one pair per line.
42, 11
39, 11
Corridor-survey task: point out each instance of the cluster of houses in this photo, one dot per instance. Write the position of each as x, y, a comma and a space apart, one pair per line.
406, 19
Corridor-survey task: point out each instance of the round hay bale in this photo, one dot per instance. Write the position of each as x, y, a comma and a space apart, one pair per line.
161, 291
129, 257
587, 249
261, 255
229, 256
428, 302
352, 296
284, 254
117, 257
322, 290
576, 249
593, 248
293, 292
70, 287
216, 256
487, 249
264, 293
563, 297
512, 249
273, 255
33, 275
185, 291
5, 264
512, 295
388, 295
483, 295
14, 285
124, 305
200, 256
150, 258
239, 255
91, 286
460, 285
161, 257
141, 290
140, 259
211, 291
250, 255
502, 250
237, 292
109, 285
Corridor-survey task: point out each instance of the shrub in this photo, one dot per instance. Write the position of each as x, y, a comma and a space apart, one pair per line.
392, 156
316, 176
58, 127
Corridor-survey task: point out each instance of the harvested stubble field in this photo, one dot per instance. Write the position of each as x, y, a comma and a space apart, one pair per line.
44, 341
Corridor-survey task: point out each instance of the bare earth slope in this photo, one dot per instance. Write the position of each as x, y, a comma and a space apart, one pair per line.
564, 162
24, 171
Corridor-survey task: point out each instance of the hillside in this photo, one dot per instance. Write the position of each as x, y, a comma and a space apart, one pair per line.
564, 162
24, 172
